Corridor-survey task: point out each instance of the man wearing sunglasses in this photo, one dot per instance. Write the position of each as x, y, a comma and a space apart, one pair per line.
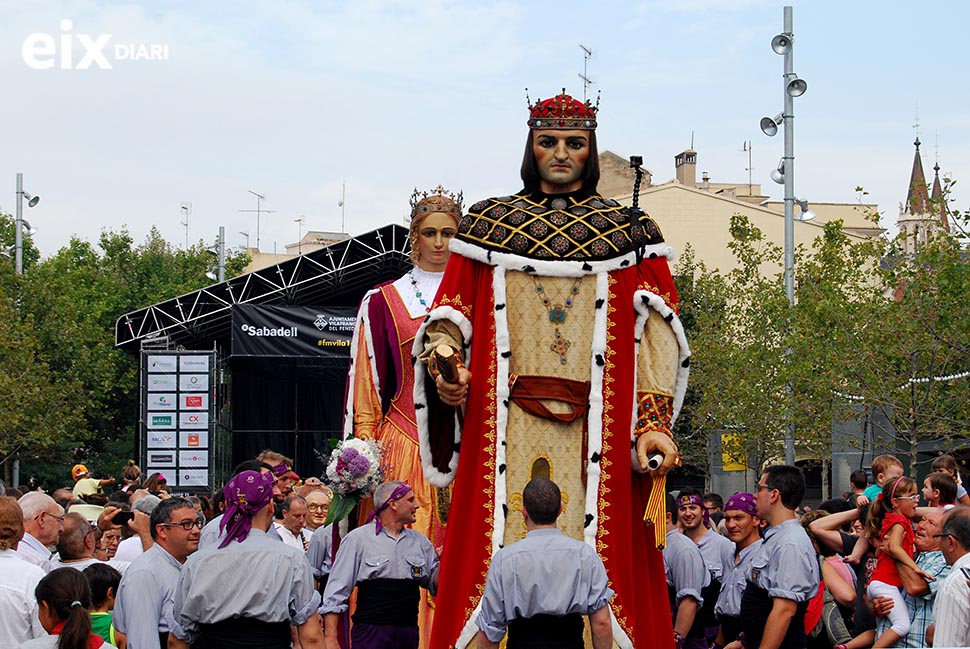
143, 607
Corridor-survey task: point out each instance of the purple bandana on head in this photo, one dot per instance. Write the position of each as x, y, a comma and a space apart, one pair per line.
399, 492
684, 501
742, 502
246, 494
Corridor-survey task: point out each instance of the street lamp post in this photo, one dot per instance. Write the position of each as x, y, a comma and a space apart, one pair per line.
785, 173
18, 238
219, 250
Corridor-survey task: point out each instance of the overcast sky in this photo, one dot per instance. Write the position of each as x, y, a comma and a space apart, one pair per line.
289, 98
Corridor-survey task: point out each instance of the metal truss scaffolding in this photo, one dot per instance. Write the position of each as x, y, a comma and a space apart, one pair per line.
339, 274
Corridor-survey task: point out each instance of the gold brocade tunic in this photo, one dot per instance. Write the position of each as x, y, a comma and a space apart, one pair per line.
551, 449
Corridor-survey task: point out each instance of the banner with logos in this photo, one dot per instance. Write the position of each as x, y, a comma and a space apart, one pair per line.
178, 401
292, 331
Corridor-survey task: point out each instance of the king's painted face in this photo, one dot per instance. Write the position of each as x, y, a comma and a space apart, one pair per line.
561, 159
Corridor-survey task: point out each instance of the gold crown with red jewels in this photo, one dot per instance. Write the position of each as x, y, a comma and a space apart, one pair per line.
562, 112
438, 199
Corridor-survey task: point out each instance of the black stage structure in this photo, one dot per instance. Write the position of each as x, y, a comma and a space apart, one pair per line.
290, 400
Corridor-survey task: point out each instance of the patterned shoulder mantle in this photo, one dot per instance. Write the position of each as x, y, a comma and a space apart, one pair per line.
576, 227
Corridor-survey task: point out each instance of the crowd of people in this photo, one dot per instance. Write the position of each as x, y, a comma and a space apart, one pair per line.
118, 557
874, 568
522, 380
878, 567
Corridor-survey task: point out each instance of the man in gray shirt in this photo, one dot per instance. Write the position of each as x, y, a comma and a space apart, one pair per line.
318, 554
718, 553
143, 607
540, 588
743, 527
784, 572
389, 564
247, 590
211, 533
687, 576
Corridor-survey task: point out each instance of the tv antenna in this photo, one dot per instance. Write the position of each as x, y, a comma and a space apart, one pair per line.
587, 82
187, 209
342, 204
259, 212
301, 221
746, 148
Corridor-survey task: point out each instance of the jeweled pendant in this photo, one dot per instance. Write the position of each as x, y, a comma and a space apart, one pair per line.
561, 345
557, 314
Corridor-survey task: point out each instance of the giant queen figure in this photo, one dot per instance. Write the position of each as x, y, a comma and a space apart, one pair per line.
560, 304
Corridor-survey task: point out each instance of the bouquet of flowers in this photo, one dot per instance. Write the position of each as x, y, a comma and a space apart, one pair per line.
354, 471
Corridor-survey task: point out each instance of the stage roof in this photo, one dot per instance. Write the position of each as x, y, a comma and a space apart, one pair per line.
338, 274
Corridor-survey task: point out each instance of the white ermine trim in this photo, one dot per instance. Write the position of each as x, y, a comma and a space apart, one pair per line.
639, 330
657, 304
620, 638
502, 353
594, 416
432, 474
556, 267
470, 630
363, 324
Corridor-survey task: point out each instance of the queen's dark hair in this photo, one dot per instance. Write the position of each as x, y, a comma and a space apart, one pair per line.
530, 169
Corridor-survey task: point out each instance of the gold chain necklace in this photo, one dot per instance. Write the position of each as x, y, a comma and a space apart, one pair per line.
557, 315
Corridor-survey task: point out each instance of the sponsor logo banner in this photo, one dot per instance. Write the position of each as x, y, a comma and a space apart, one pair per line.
193, 420
156, 421
161, 401
194, 439
161, 459
194, 382
292, 331
162, 383
167, 363
193, 478
193, 363
160, 440
194, 402
193, 459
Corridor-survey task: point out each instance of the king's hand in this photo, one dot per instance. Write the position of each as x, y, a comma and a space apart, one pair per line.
657, 442
454, 394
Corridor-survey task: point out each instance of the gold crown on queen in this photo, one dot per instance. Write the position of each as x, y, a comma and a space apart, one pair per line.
438, 199
562, 112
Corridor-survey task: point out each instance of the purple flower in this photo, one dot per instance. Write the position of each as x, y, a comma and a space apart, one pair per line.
355, 463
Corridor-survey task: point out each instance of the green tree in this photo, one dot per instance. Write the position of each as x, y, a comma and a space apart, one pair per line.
869, 326
917, 344
71, 302
38, 406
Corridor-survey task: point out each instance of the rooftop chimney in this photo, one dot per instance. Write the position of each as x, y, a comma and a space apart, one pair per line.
686, 165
